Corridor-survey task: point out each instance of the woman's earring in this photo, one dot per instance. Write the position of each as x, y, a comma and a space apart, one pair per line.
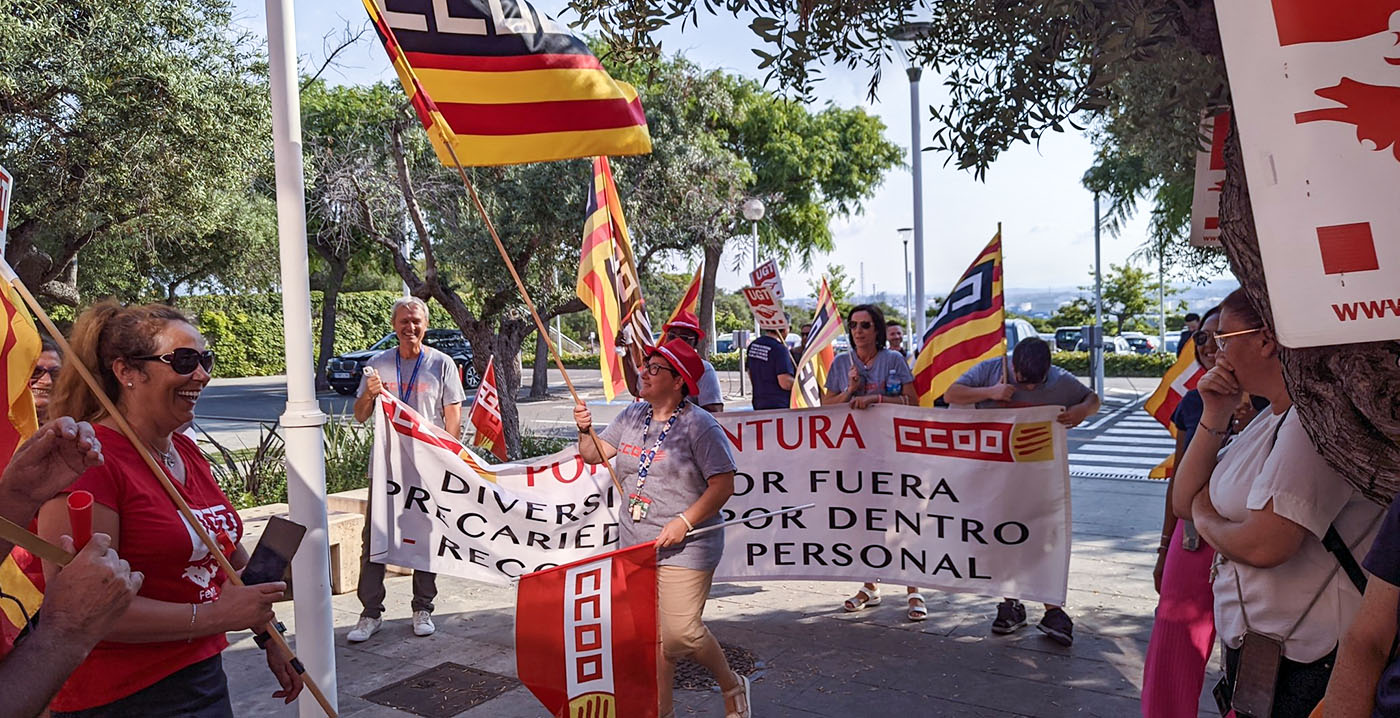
128, 385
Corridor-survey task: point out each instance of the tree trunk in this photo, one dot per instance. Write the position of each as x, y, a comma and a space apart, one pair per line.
707, 295
328, 301
539, 377
503, 343
1347, 396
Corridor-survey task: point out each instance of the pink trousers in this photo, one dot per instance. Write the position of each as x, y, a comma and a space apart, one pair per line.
1182, 634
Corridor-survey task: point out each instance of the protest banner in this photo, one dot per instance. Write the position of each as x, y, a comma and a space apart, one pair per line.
1315, 96
766, 308
1210, 180
766, 275
586, 635
973, 501
435, 506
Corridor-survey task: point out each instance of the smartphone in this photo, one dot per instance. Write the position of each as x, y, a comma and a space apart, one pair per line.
274, 552
1260, 656
1221, 693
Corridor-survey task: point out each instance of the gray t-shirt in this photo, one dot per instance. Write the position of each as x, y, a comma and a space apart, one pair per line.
438, 384
695, 449
872, 377
1060, 387
709, 387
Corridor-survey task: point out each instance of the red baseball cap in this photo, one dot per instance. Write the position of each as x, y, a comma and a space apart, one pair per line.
685, 320
684, 360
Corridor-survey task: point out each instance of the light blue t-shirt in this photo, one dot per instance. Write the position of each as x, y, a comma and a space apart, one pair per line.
873, 376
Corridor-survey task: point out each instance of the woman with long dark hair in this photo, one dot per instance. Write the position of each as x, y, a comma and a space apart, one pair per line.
163, 658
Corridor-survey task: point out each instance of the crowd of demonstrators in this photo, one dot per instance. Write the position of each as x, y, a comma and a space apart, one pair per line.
771, 369
679, 482
685, 326
1030, 380
427, 381
162, 656
85, 599
870, 373
1193, 325
1265, 503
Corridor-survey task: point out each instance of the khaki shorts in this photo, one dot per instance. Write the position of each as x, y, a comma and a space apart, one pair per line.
681, 593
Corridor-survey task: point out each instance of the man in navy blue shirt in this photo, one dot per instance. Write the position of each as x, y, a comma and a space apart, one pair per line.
770, 367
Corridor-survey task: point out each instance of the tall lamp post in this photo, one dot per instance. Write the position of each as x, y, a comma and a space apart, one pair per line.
753, 212
906, 35
904, 234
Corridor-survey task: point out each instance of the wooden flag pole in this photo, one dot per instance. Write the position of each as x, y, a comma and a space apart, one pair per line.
1005, 356
525, 294
164, 479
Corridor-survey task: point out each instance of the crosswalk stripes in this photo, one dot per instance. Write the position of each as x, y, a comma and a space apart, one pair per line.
1124, 444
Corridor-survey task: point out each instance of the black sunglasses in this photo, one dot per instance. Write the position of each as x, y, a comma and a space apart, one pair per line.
1201, 337
861, 325
184, 360
40, 371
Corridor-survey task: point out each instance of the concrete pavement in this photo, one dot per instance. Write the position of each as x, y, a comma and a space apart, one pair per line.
820, 661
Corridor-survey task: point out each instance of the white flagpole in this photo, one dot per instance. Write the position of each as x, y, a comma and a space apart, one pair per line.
303, 418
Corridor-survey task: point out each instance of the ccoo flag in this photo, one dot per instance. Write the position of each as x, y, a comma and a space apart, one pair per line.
608, 282
818, 352
1179, 379
486, 414
511, 84
970, 327
586, 635
19, 347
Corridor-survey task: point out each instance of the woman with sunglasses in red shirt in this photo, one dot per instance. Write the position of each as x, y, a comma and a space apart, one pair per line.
163, 659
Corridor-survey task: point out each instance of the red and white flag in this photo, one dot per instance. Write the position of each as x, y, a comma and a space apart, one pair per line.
1315, 87
586, 635
486, 414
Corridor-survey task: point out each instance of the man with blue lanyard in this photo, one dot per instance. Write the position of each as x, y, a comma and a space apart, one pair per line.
426, 380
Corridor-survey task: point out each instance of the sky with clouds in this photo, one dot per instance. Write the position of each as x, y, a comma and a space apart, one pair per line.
1034, 191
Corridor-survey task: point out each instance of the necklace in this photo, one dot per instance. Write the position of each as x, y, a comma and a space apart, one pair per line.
168, 456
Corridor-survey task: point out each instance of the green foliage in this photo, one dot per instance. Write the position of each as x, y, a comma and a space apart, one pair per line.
251, 476
1128, 365
348, 444
838, 283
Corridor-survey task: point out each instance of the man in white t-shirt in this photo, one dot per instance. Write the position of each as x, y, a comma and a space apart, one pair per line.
427, 380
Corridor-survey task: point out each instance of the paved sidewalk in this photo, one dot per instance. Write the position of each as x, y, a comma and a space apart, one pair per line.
820, 661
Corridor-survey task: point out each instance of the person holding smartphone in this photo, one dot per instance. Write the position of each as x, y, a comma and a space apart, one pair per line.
1265, 504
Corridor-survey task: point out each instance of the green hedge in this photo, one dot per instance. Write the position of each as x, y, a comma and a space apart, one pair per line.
1125, 365
246, 330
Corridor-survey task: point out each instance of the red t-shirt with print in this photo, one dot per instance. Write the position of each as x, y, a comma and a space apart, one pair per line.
156, 541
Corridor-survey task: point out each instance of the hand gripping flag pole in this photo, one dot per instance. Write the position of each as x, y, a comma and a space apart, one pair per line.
160, 474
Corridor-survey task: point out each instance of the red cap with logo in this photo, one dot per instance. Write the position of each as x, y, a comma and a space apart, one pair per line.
684, 360
685, 320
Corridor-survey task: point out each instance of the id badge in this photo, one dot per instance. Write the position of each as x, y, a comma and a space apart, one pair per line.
638, 505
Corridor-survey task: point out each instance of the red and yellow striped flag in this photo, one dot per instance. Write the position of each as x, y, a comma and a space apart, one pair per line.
1178, 380
818, 354
512, 85
19, 348
608, 282
971, 327
691, 301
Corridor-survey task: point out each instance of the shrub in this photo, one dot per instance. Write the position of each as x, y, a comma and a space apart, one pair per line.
1126, 365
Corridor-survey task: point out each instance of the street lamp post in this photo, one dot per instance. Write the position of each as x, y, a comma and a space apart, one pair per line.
904, 234
753, 212
904, 35
1096, 347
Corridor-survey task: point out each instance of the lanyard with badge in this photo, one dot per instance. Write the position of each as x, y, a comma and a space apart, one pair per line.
638, 504
405, 393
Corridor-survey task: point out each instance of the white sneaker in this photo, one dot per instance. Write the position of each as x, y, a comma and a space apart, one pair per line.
363, 629
423, 624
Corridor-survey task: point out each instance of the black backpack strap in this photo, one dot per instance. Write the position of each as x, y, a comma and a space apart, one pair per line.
1333, 542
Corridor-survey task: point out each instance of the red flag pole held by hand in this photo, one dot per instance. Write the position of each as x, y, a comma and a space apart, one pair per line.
214, 548
80, 517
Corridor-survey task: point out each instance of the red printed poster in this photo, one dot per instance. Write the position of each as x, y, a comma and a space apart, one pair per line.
1316, 92
586, 635
767, 276
766, 308
1210, 180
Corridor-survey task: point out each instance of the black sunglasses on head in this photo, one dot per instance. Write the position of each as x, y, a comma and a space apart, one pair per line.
183, 360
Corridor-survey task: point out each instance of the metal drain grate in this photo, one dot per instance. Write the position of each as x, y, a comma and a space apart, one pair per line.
442, 691
692, 676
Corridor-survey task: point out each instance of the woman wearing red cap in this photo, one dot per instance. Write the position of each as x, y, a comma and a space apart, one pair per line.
685, 326
683, 474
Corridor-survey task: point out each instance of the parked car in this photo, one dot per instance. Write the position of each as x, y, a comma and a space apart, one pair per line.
1141, 343
1067, 338
1111, 345
1049, 338
343, 372
1173, 341
1016, 330
724, 343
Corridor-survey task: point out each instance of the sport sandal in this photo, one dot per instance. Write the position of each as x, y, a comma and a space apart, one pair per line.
918, 611
740, 693
864, 597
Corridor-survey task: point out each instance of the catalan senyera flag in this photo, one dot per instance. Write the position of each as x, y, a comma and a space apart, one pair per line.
1179, 379
19, 347
587, 635
486, 414
818, 354
507, 83
970, 327
608, 282
691, 301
